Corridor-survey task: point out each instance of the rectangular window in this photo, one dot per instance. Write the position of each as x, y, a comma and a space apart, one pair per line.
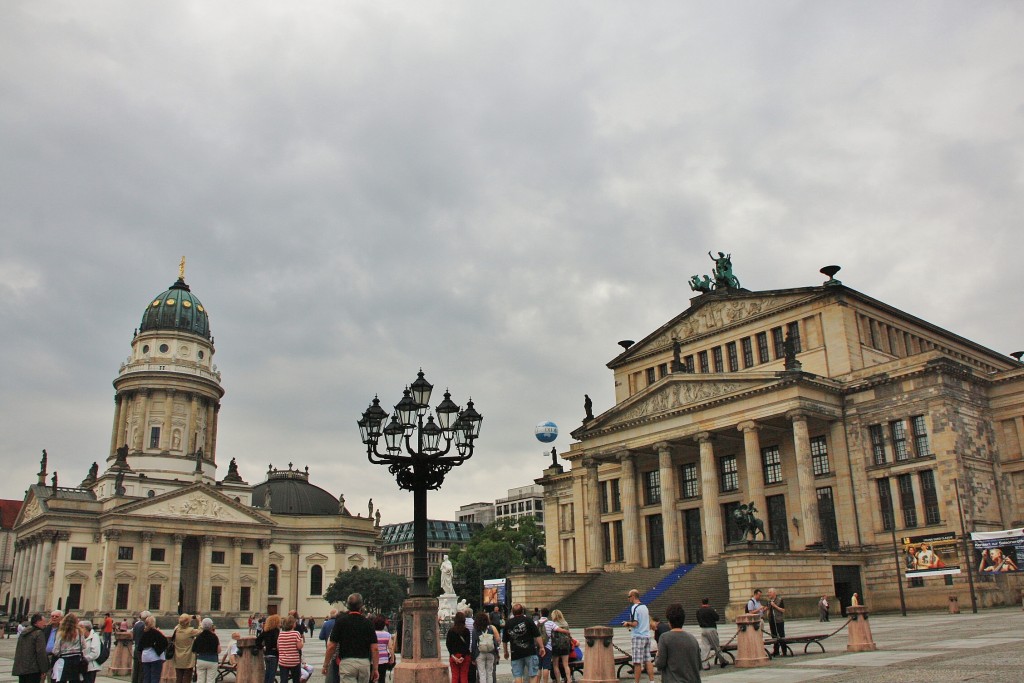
606, 528
662, 370
778, 342
247, 559
616, 498
877, 444
650, 376
74, 597
244, 598
930, 498
121, 599
538, 505
652, 487
78, 554
771, 459
885, 503
688, 363
899, 439
604, 496
716, 355
529, 508
819, 456
734, 359
619, 549
217, 557
702, 358
691, 487
154, 596
154, 437
728, 474
157, 554
125, 552
905, 483
762, 347
215, 592
748, 352
793, 332
920, 431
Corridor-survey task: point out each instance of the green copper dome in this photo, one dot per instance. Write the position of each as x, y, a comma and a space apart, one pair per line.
176, 309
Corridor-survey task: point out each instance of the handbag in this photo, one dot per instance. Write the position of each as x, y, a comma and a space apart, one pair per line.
561, 643
169, 650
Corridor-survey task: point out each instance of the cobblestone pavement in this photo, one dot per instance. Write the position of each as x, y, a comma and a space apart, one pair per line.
933, 646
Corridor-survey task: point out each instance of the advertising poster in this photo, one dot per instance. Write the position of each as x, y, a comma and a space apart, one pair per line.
494, 592
930, 555
997, 552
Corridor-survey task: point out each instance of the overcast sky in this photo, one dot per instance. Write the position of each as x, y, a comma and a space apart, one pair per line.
495, 191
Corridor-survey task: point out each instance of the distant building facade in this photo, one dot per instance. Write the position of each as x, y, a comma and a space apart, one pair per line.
442, 537
522, 501
155, 528
481, 513
844, 420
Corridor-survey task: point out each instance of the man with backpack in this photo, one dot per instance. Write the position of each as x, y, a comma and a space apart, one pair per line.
640, 621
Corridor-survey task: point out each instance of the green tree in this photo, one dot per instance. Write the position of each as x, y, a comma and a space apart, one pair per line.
490, 554
382, 592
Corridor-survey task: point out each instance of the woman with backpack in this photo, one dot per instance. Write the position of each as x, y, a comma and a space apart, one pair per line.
152, 646
561, 647
487, 641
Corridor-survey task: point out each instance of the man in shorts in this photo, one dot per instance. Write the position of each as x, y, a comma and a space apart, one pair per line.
527, 645
640, 621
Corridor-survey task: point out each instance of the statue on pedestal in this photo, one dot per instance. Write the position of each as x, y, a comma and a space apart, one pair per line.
447, 574
747, 522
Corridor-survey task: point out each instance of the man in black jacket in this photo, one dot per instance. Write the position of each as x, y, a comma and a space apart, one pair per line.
30, 659
707, 619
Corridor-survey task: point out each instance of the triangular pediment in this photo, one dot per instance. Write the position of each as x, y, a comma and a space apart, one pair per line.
124, 574
246, 579
275, 556
712, 313
219, 578
356, 558
197, 503
676, 393
76, 576
315, 558
30, 509
158, 576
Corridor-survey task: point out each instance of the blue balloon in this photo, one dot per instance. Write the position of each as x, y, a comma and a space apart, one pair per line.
546, 432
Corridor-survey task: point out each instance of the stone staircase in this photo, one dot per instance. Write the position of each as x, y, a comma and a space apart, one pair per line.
602, 600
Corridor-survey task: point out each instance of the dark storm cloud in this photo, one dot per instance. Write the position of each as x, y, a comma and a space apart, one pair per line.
496, 192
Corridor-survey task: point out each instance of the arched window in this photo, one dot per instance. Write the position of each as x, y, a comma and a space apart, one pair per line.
316, 580
272, 580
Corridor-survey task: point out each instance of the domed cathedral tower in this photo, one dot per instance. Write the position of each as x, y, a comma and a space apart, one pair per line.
168, 393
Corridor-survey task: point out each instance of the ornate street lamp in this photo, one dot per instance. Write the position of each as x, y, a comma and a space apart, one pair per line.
415, 455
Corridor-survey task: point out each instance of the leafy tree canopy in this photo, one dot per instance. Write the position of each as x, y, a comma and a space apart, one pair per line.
382, 591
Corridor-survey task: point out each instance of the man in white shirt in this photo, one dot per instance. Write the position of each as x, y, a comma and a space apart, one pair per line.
640, 621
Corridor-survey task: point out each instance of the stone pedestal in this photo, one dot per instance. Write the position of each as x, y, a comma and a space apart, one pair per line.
121, 658
250, 661
750, 642
598, 655
859, 630
446, 604
421, 644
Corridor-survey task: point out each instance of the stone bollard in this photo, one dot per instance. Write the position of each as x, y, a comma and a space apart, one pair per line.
860, 630
251, 664
121, 658
954, 605
598, 656
750, 641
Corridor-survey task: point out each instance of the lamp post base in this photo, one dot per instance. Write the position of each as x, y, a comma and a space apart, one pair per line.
421, 646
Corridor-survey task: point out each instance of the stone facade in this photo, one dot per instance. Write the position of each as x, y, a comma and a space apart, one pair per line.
876, 418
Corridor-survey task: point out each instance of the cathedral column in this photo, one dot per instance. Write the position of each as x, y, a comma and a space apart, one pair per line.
115, 431
595, 554
143, 421
49, 541
142, 592
208, 435
203, 576
165, 431
262, 579
15, 580
294, 578
755, 469
213, 438
34, 564
577, 525
59, 589
107, 589
234, 575
712, 511
127, 397
669, 515
630, 510
30, 571
810, 526
175, 588
191, 429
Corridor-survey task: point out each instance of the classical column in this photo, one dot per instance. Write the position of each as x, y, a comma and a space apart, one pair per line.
294, 549
190, 430
712, 511
107, 589
15, 580
755, 469
208, 441
234, 575
142, 582
579, 506
669, 514
59, 590
630, 510
115, 430
810, 526
33, 579
175, 587
263, 590
165, 431
846, 487
203, 576
30, 571
140, 441
213, 438
595, 554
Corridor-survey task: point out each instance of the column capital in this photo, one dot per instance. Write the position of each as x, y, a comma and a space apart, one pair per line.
171, 391
797, 415
589, 462
264, 543
207, 540
624, 456
294, 548
662, 446
112, 534
748, 426
63, 535
179, 538
703, 437
237, 542
96, 537
340, 547
147, 536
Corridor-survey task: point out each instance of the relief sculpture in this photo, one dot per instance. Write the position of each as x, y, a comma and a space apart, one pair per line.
678, 396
